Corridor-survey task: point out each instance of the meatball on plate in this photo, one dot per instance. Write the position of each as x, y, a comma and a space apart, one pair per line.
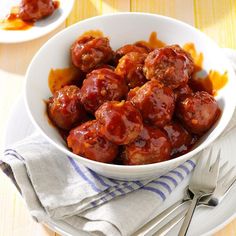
136, 114
44, 16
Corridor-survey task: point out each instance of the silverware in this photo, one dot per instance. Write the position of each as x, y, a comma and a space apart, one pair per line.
151, 225
224, 185
202, 183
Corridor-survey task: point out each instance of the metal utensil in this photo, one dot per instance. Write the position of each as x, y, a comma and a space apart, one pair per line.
224, 185
148, 227
202, 183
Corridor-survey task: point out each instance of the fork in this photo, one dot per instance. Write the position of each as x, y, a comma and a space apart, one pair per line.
146, 229
224, 184
202, 183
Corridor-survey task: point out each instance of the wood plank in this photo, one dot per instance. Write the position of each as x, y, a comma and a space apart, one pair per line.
110, 6
15, 219
15, 58
218, 20
229, 230
171, 8
84, 9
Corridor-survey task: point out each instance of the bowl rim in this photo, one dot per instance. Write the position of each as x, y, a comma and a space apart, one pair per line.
117, 167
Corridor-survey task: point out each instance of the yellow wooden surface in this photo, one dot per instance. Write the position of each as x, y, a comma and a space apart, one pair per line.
217, 18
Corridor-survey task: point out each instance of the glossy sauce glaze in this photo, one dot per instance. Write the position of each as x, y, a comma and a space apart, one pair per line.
183, 113
212, 82
120, 122
153, 41
58, 78
13, 20
93, 33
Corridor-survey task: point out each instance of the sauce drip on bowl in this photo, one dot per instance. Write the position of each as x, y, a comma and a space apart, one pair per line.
212, 82
13, 21
56, 4
197, 57
94, 33
153, 41
58, 78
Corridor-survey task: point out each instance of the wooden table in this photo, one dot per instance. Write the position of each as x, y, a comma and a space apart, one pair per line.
216, 18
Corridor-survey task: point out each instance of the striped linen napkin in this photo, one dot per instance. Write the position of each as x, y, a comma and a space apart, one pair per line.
55, 186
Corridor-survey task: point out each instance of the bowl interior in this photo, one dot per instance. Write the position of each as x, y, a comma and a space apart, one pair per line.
122, 29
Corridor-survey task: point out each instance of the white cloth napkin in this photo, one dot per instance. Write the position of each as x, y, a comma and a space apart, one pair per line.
56, 186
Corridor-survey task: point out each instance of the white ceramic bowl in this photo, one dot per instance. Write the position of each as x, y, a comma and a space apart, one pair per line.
121, 29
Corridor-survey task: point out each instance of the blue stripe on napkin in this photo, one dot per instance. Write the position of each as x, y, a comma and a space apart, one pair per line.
107, 189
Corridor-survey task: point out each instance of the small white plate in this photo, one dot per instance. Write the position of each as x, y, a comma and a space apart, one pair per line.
40, 28
205, 221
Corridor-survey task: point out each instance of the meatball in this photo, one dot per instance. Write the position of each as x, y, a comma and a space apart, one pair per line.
147, 46
88, 53
155, 102
33, 10
86, 140
102, 85
65, 109
132, 93
120, 122
130, 67
181, 92
129, 48
169, 65
151, 146
198, 112
179, 137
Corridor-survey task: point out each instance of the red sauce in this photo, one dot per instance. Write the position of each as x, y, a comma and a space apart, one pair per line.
153, 41
56, 4
58, 78
94, 33
197, 57
212, 82
13, 22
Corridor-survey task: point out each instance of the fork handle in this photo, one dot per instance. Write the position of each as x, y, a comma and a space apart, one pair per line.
189, 215
165, 229
146, 229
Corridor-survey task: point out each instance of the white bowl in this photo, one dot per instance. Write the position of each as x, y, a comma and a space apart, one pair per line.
121, 29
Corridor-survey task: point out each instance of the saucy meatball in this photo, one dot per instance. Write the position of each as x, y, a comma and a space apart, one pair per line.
33, 10
198, 112
179, 137
155, 102
120, 122
151, 146
86, 140
142, 44
181, 92
129, 48
130, 67
65, 109
102, 85
169, 65
88, 53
